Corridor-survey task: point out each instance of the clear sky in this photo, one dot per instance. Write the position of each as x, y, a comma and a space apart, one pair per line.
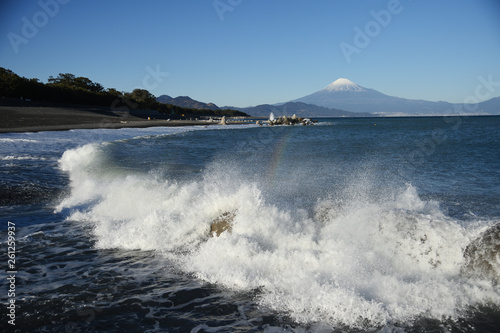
249, 52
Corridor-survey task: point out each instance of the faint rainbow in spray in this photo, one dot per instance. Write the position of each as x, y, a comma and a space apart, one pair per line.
277, 157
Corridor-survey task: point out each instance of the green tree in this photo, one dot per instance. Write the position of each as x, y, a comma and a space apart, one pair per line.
114, 92
10, 83
71, 81
144, 98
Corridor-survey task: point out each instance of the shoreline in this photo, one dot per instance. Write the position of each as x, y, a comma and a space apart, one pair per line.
132, 124
16, 119
22, 116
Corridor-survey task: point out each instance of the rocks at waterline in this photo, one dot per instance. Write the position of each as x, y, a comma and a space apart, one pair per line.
293, 120
221, 223
482, 256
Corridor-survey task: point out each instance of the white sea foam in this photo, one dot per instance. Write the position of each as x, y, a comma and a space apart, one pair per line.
354, 260
17, 140
22, 158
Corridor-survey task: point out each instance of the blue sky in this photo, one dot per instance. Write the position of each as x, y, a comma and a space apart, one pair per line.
249, 52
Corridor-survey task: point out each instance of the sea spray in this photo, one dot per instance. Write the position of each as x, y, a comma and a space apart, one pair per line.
371, 265
353, 258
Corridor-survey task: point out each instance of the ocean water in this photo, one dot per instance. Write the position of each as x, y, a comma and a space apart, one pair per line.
351, 225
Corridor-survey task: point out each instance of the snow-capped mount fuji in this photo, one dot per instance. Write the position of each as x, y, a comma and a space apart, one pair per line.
343, 85
346, 95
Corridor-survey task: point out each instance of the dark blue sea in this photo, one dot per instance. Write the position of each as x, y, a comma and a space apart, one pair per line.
350, 225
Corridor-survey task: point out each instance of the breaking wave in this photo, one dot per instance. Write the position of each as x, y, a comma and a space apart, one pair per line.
354, 259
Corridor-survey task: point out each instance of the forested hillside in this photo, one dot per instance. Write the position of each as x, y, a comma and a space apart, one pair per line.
69, 89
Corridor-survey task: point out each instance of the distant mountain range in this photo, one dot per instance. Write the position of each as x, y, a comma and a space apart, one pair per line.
263, 110
344, 98
347, 95
287, 109
300, 110
186, 102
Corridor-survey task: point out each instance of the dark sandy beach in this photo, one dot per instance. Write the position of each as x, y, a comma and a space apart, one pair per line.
26, 117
